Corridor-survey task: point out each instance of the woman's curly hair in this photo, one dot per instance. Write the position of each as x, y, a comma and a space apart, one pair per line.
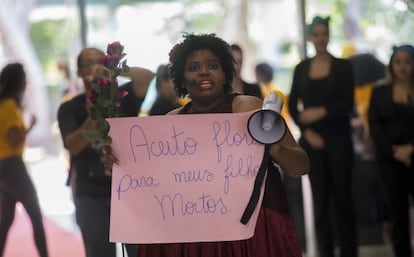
180, 52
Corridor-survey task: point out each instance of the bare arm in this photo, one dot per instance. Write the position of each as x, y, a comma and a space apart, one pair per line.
141, 79
76, 142
16, 135
286, 153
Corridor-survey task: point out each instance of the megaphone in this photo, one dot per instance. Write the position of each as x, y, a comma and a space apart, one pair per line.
267, 126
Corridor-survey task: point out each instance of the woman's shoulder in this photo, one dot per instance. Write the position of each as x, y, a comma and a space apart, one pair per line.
382, 89
8, 103
381, 94
304, 63
246, 103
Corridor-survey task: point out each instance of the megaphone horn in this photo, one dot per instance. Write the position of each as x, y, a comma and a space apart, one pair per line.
267, 126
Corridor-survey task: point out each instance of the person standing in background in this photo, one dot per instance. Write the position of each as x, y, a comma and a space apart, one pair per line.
391, 123
167, 99
239, 85
91, 185
320, 103
264, 76
15, 182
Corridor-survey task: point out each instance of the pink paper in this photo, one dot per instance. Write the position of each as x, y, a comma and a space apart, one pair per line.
183, 178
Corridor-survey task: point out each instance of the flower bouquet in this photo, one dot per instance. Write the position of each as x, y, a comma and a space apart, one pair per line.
104, 97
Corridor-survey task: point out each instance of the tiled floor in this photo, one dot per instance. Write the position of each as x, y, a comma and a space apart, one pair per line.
49, 175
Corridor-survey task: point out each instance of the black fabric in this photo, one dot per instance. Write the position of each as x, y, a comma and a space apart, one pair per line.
131, 103
251, 89
395, 119
162, 106
336, 94
254, 198
90, 178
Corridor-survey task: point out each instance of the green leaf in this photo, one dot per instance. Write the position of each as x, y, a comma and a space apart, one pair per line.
92, 135
103, 126
107, 141
106, 72
94, 113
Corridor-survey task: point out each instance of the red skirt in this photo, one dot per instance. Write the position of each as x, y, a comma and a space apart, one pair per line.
275, 236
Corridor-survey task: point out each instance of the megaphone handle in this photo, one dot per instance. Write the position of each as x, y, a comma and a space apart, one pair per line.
254, 198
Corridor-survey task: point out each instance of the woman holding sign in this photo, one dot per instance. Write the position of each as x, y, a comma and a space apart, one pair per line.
202, 67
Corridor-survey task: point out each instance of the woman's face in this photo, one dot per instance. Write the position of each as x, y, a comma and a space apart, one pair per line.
402, 65
203, 75
320, 37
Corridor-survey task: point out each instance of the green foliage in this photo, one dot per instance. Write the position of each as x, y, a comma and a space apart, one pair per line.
49, 39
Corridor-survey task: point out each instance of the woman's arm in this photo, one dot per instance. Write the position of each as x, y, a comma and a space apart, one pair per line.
141, 79
16, 136
286, 153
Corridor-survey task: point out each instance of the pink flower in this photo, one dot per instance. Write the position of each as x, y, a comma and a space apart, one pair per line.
104, 97
104, 83
115, 49
110, 61
92, 95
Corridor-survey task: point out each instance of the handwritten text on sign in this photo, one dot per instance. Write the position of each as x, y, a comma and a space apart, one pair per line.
182, 178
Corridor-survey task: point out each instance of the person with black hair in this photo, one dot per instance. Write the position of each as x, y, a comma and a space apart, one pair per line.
202, 67
91, 185
240, 85
264, 76
321, 102
167, 99
15, 182
264, 73
391, 123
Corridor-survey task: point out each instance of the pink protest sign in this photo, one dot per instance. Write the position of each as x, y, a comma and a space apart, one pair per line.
183, 178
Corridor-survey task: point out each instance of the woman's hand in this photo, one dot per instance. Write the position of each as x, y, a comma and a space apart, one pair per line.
314, 139
32, 122
312, 114
403, 153
108, 158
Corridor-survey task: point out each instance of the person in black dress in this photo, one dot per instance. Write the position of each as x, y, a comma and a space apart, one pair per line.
320, 103
391, 123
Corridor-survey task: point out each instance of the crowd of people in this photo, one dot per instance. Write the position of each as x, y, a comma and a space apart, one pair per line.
206, 71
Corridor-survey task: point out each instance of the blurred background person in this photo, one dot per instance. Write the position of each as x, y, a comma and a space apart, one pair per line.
264, 73
239, 85
167, 99
320, 103
391, 123
15, 182
264, 76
